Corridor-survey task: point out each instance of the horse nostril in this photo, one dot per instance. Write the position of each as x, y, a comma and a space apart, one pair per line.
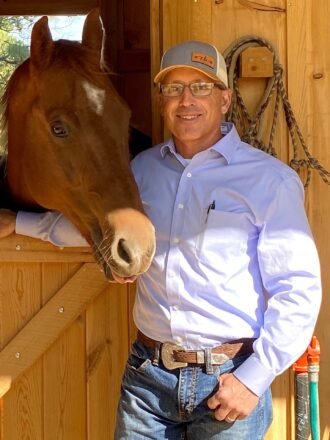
123, 251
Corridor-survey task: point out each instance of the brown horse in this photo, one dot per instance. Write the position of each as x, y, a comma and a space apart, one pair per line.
67, 132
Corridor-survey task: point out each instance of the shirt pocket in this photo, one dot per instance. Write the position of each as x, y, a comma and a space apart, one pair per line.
224, 235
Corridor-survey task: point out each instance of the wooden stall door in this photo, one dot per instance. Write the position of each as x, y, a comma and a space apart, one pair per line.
64, 341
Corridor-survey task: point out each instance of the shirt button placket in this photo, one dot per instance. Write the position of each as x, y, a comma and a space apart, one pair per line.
173, 264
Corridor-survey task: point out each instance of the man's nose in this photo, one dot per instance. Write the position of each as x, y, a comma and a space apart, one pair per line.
187, 97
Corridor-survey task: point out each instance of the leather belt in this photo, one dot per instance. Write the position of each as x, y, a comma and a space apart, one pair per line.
174, 356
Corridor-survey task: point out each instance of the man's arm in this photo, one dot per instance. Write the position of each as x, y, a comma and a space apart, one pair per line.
49, 226
290, 272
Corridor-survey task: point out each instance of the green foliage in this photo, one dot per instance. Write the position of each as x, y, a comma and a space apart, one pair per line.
14, 45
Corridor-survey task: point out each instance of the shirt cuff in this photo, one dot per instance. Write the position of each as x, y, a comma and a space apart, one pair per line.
50, 226
254, 375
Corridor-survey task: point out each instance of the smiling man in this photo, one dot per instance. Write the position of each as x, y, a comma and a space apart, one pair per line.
194, 123
233, 293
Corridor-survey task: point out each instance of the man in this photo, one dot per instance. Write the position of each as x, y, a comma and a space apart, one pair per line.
232, 296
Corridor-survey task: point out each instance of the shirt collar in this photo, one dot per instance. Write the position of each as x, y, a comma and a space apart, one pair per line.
226, 146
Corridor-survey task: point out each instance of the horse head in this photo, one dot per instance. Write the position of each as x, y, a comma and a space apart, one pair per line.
68, 147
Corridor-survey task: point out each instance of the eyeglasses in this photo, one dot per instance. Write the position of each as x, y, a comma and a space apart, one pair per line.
173, 90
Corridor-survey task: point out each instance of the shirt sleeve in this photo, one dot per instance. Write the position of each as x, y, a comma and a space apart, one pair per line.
290, 271
50, 226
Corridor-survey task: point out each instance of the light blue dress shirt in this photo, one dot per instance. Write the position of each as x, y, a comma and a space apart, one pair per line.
235, 256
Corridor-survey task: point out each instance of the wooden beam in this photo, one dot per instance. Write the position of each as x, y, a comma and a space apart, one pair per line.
18, 248
45, 257
49, 7
46, 326
134, 60
156, 48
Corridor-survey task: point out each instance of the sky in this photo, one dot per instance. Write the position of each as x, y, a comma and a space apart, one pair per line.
69, 28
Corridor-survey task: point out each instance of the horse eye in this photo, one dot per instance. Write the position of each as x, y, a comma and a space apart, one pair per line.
59, 129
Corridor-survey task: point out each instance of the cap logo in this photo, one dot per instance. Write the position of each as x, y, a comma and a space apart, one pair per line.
203, 58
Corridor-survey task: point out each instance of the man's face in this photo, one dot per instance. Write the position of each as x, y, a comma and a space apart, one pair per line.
193, 121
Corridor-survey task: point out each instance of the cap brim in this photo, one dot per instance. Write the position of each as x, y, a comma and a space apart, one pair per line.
160, 75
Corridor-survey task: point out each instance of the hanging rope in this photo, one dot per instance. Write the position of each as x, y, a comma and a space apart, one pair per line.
249, 126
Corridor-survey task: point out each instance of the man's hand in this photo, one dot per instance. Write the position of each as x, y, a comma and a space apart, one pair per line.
233, 400
7, 222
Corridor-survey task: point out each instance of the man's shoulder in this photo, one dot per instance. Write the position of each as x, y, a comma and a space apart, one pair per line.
266, 163
147, 160
153, 152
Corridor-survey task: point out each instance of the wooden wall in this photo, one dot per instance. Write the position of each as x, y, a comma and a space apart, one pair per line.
300, 33
47, 7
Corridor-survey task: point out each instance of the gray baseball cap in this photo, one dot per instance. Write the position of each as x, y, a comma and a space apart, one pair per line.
198, 55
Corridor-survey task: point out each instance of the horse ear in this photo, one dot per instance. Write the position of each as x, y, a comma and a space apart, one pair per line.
92, 32
41, 43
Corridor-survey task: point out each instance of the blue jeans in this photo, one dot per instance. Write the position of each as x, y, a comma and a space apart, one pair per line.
160, 404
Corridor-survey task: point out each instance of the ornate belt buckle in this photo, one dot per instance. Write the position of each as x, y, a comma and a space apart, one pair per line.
167, 356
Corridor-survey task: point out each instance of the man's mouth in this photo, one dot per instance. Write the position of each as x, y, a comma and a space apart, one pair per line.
189, 117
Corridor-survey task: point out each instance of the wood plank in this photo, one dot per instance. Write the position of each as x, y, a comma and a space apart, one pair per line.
107, 351
50, 7
64, 367
43, 329
20, 299
23, 406
18, 248
309, 87
131, 299
25, 243
156, 49
45, 257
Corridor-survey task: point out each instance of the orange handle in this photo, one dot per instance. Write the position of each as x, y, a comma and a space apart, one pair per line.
310, 357
313, 352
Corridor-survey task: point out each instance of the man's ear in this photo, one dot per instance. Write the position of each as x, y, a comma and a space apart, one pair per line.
226, 96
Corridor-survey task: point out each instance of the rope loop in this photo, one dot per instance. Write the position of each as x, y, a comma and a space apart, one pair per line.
250, 127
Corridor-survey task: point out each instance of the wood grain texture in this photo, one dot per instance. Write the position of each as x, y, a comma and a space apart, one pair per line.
43, 329
107, 350
35, 7
309, 90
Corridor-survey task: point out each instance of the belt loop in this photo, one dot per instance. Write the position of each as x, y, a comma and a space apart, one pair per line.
208, 360
155, 360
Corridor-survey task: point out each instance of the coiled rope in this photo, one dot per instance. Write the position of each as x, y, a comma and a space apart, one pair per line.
249, 126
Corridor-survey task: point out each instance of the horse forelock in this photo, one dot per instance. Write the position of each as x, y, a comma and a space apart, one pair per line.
80, 59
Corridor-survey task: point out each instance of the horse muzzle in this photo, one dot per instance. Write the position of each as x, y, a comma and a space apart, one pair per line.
127, 245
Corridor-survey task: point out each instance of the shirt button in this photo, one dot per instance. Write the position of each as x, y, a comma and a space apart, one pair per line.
175, 308
179, 338
180, 206
176, 240
171, 273
189, 174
